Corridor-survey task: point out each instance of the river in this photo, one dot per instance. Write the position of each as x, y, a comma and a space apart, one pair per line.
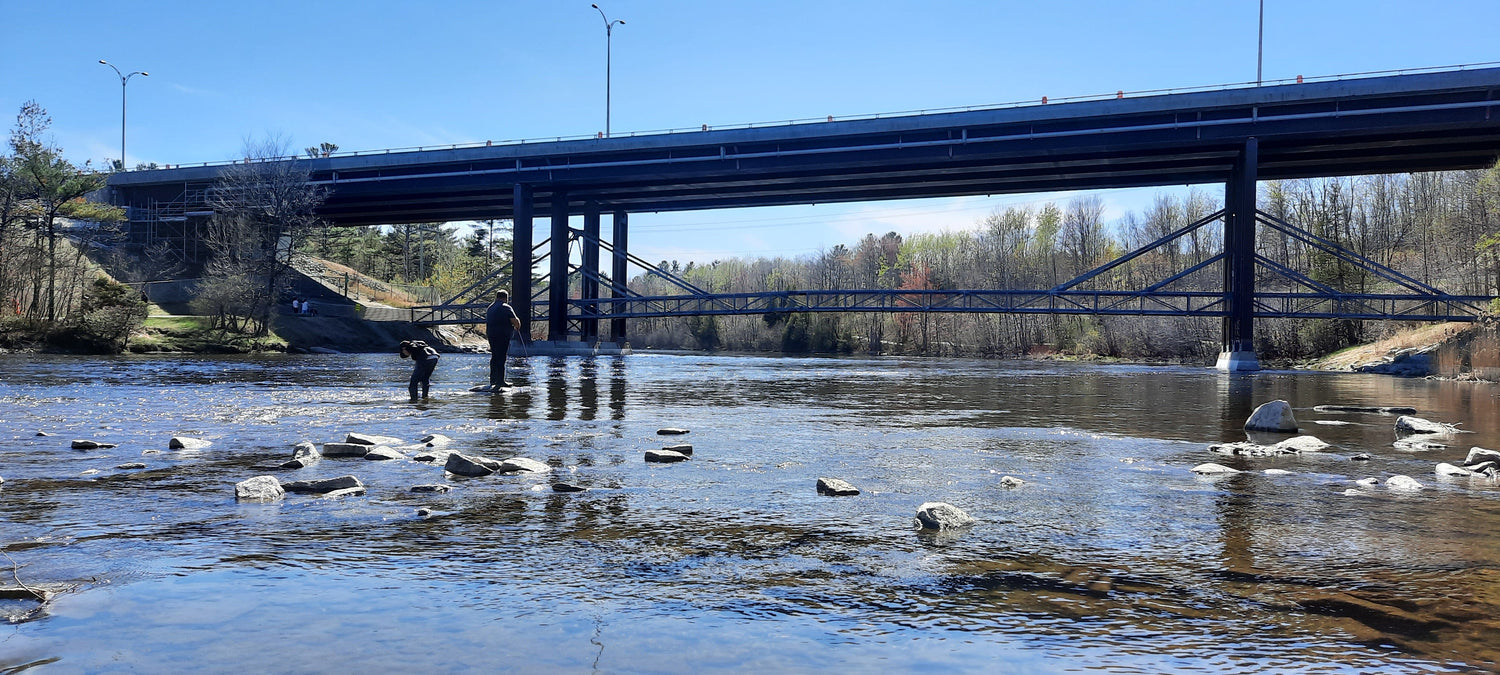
1112, 556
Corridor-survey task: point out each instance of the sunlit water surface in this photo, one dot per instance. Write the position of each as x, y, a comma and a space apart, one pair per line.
1112, 556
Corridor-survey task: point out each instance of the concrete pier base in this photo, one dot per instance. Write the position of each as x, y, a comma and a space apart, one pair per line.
1237, 362
571, 348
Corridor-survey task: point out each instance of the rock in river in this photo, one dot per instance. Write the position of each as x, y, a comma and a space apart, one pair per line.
568, 487
86, 444
1273, 416
665, 456
1402, 484
345, 449
460, 464
371, 439
304, 454
1011, 481
1478, 455
323, 486
131, 465
187, 443
1301, 444
259, 489
434, 440
836, 488
684, 448
516, 465
435, 488
1446, 469
942, 516
671, 431
1210, 469
381, 452
1407, 424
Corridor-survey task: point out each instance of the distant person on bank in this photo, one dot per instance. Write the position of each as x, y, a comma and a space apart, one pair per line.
424, 360
500, 321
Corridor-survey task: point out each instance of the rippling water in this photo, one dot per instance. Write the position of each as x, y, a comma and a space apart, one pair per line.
1113, 556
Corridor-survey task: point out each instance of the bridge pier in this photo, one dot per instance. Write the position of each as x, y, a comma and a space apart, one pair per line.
557, 284
520, 257
1238, 352
617, 272
590, 279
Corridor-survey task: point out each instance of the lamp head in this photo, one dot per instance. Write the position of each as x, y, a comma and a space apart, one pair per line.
103, 62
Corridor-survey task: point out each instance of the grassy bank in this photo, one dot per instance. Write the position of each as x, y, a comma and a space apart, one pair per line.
195, 334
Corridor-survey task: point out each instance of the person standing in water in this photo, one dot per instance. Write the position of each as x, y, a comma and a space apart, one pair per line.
424, 359
500, 321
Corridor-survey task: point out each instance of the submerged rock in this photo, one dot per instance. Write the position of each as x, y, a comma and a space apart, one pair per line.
187, 443
1406, 424
1368, 482
516, 465
1011, 481
86, 444
382, 452
671, 431
1277, 472
435, 488
942, 516
1273, 416
323, 486
568, 487
1385, 410
836, 487
463, 465
131, 465
1248, 449
1416, 445
371, 439
423, 513
1210, 469
345, 449
684, 448
1402, 484
1361, 457
259, 489
43, 433
665, 456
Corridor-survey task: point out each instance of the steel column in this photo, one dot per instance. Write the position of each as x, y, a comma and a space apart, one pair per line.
590, 262
520, 260
557, 285
1239, 262
617, 271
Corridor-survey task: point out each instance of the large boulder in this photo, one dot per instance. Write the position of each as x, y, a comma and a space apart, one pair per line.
323, 486
942, 516
460, 464
345, 449
836, 488
516, 465
1408, 424
187, 443
259, 489
382, 452
371, 439
1273, 416
665, 456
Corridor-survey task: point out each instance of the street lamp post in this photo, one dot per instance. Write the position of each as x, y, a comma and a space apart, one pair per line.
609, 30
124, 79
1260, 42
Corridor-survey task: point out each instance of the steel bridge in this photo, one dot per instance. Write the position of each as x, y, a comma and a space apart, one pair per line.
1442, 119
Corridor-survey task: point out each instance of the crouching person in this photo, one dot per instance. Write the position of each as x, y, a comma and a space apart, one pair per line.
424, 359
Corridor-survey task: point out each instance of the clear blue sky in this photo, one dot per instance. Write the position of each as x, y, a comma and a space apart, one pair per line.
373, 74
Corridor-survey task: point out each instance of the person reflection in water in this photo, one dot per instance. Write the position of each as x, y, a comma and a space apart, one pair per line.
424, 359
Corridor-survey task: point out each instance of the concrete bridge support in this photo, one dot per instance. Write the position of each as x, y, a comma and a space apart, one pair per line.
1238, 353
557, 282
590, 263
617, 272
520, 266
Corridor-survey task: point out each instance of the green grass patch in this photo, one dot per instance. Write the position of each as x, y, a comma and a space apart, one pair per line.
195, 334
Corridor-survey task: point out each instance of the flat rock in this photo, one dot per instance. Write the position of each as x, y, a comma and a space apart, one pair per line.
434, 440
346, 492
516, 465
132, 465
1446, 469
259, 489
434, 488
1011, 481
431, 456
684, 448
1401, 483
1303, 444
86, 444
665, 456
1273, 416
1477, 455
187, 443
345, 449
836, 488
1407, 424
1210, 469
1384, 410
381, 452
371, 439
568, 487
323, 485
942, 516
1417, 445
464, 465
671, 431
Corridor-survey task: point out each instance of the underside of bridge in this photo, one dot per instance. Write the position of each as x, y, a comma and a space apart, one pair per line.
1233, 137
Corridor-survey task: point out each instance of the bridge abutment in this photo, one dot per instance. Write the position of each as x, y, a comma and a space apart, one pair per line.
1238, 337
